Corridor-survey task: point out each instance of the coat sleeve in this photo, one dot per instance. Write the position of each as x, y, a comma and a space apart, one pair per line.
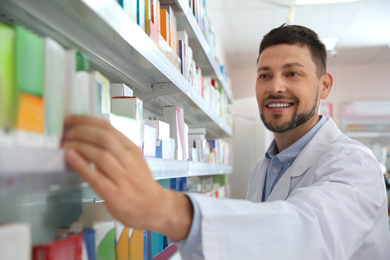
330, 218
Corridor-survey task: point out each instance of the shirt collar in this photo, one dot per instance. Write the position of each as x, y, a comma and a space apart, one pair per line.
290, 153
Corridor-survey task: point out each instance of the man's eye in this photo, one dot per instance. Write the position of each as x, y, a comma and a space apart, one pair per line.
293, 74
263, 76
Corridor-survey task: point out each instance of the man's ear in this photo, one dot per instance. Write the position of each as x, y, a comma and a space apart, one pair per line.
326, 85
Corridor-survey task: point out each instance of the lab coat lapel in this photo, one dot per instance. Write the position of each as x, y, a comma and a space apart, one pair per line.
282, 188
326, 135
256, 184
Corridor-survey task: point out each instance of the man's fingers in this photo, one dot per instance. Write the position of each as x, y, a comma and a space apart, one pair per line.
100, 138
75, 120
98, 181
99, 133
107, 164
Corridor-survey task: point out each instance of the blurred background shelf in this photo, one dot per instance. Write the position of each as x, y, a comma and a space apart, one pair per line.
367, 135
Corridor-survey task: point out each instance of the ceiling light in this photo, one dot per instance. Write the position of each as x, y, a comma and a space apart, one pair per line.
321, 2
330, 43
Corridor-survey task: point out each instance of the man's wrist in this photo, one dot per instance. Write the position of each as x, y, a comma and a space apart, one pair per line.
177, 215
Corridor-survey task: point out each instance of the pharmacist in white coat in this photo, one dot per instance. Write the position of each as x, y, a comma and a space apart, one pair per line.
317, 194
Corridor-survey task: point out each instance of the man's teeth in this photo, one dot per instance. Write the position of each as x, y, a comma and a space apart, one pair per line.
279, 105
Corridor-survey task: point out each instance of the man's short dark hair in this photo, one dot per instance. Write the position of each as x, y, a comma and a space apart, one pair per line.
302, 36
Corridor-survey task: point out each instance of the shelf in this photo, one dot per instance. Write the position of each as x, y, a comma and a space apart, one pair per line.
163, 169
197, 41
27, 169
192, 103
118, 48
366, 119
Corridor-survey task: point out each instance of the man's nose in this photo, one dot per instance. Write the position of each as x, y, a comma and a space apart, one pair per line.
277, 85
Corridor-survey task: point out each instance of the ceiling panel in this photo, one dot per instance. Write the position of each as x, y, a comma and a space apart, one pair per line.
363, 28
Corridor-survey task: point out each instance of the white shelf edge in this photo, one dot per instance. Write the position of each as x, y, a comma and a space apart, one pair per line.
18, 160
28, 169
165, 169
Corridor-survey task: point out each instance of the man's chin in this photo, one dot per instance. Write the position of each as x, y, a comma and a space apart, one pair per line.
277, 127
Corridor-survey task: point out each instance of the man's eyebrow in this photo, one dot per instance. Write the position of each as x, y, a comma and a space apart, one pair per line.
264, 68
285, 66
293, 64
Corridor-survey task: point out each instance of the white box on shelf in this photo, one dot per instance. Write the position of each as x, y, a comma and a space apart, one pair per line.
70, 80
127, 106
149, 141
54, 92
100, 104
174, 116
163, 149
81, 96
15, 241
162, 128
131, 128
120, 90
186, 152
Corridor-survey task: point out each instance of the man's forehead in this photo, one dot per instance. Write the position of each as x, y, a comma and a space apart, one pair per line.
285, 55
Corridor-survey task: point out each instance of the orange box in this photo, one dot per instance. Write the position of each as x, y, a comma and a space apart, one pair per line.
164, 23
31, 113
137, 245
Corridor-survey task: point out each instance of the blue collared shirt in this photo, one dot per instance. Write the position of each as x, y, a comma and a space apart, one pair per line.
191, 247
280, 162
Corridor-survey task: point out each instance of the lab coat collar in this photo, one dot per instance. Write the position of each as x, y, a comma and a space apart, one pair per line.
326, 135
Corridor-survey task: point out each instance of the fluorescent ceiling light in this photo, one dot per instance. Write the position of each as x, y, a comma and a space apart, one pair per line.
321, 2
330, 43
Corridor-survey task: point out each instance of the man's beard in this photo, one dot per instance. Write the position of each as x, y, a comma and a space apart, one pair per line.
296, 119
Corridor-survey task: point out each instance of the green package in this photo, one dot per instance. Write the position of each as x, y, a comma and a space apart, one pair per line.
29, 61
82, 62
8, 96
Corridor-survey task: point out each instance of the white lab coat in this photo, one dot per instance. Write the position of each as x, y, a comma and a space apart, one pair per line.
330, 204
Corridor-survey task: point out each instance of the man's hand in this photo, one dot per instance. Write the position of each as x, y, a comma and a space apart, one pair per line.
122, 178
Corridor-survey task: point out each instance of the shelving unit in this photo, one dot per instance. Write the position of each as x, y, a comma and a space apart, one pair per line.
367, 121
36, 185
187, 22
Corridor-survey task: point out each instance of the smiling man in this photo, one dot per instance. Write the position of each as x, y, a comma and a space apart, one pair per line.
290, 84
316, 194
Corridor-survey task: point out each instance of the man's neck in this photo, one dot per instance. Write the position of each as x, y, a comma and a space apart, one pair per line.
285, 139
